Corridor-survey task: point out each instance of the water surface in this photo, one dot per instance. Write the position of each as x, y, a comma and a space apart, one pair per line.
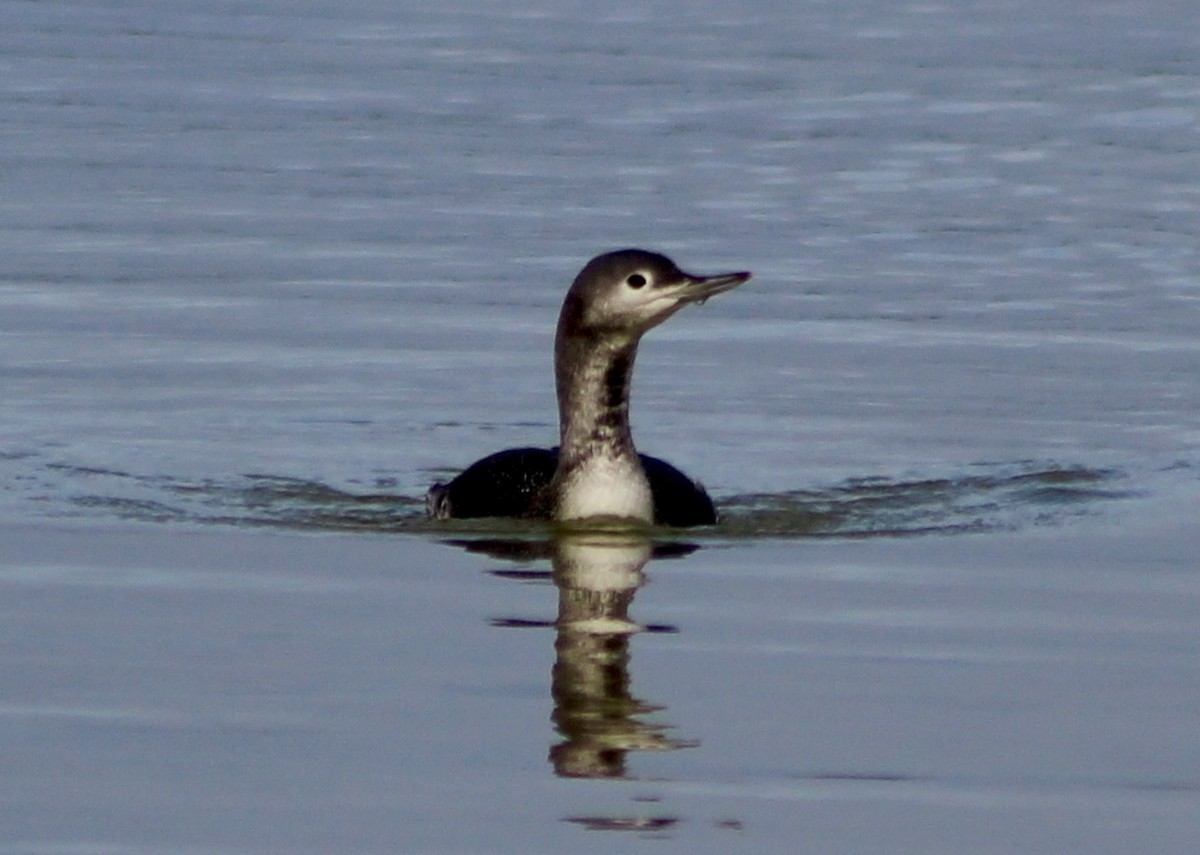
268, 270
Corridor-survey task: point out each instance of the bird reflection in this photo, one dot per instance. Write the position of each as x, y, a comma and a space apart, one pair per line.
595, 711
596, 714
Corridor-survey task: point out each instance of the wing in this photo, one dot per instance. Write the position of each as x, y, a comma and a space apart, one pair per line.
678, 500
504, 484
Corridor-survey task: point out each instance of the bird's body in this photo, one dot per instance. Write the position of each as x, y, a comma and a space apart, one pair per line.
514, 483
595, 471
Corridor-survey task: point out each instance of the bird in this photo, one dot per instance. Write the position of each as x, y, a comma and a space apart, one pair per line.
595, 471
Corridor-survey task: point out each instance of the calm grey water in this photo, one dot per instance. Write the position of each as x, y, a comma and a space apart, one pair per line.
280, 265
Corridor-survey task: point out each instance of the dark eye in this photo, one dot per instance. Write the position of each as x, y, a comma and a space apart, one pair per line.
636, 281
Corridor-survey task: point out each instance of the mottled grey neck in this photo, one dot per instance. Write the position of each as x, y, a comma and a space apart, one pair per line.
592, 377
599, 473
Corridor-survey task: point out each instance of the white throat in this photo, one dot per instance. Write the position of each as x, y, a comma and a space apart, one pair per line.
604, 486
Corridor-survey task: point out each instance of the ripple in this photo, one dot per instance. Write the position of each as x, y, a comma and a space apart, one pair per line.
985, 497
998, 497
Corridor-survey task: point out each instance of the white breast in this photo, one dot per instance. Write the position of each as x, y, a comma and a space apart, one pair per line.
606, 487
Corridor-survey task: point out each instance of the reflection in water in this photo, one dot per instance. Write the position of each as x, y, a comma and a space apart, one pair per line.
596, 713
597, 575
625, 823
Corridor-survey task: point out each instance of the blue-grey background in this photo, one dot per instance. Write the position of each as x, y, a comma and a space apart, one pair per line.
259, 257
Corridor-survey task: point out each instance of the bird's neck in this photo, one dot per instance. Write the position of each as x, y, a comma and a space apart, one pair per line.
599, 473
592, 379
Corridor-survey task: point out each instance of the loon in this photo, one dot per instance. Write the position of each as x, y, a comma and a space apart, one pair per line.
595, 471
